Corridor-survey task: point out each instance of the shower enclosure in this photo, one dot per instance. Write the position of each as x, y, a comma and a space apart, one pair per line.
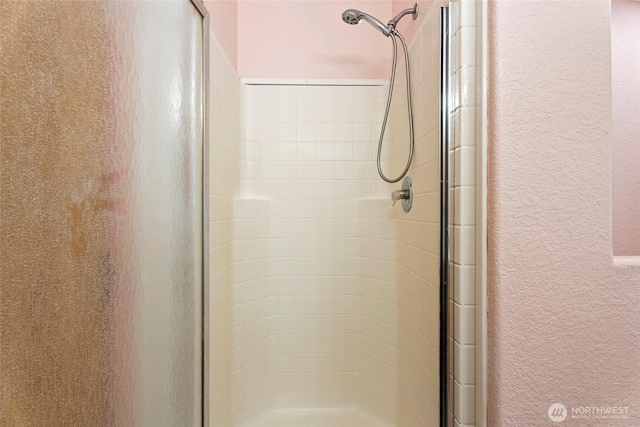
101, 275
156, 270
328, 304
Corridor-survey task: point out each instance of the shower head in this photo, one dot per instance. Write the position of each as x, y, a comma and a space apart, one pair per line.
353, 16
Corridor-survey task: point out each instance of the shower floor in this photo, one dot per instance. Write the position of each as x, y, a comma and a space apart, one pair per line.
339, 417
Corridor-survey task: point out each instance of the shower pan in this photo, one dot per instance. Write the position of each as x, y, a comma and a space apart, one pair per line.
102, 179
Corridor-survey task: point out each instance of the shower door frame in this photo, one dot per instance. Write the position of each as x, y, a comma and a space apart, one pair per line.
199, 5
444, 146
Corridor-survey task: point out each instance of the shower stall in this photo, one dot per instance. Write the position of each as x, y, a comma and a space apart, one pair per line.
329, 304
184, 246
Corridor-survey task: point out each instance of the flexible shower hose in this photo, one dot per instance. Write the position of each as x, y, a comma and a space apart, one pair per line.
395, 34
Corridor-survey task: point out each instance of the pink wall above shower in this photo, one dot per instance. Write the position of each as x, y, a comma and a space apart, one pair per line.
224, 25
307, 39
563, 315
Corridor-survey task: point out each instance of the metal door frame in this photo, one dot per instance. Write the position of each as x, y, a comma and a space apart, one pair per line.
444, 146
199, 5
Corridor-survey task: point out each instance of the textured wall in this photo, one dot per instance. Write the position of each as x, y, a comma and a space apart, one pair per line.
563, 317
625, 72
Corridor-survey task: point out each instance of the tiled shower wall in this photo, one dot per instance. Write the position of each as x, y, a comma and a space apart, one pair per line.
417, 243
418, 231
463, 213
298, 319
225, 162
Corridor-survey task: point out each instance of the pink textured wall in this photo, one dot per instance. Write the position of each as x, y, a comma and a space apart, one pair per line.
625, 70
563, 319
224, 25
307, 39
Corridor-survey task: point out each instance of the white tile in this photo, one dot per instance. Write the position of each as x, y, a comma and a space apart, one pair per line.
343, 95
325, 95
287, 113
464, 324
286, 132
287, 95
343, 151
287, 170
343, 132
267, 112
324, 131
267, 151
306, 151
361, 132
306, 113
306, 131
287, 150
267, 131
306, 94
325, 151
267, 94
464, 403
343, 113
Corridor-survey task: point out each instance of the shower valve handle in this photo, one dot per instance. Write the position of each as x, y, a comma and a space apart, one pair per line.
399, 195
405, 194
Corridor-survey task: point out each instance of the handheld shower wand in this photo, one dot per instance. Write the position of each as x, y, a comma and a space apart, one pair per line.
352, 17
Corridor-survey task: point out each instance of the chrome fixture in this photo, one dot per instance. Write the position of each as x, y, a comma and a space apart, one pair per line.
446, 291
405, 195
352, 17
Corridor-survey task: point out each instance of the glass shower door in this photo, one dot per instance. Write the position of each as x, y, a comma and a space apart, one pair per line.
101, 213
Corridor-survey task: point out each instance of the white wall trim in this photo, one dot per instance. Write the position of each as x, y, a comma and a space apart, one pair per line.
626, 260
313, 82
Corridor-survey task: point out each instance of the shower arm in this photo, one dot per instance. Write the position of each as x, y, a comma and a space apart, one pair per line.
411, 11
